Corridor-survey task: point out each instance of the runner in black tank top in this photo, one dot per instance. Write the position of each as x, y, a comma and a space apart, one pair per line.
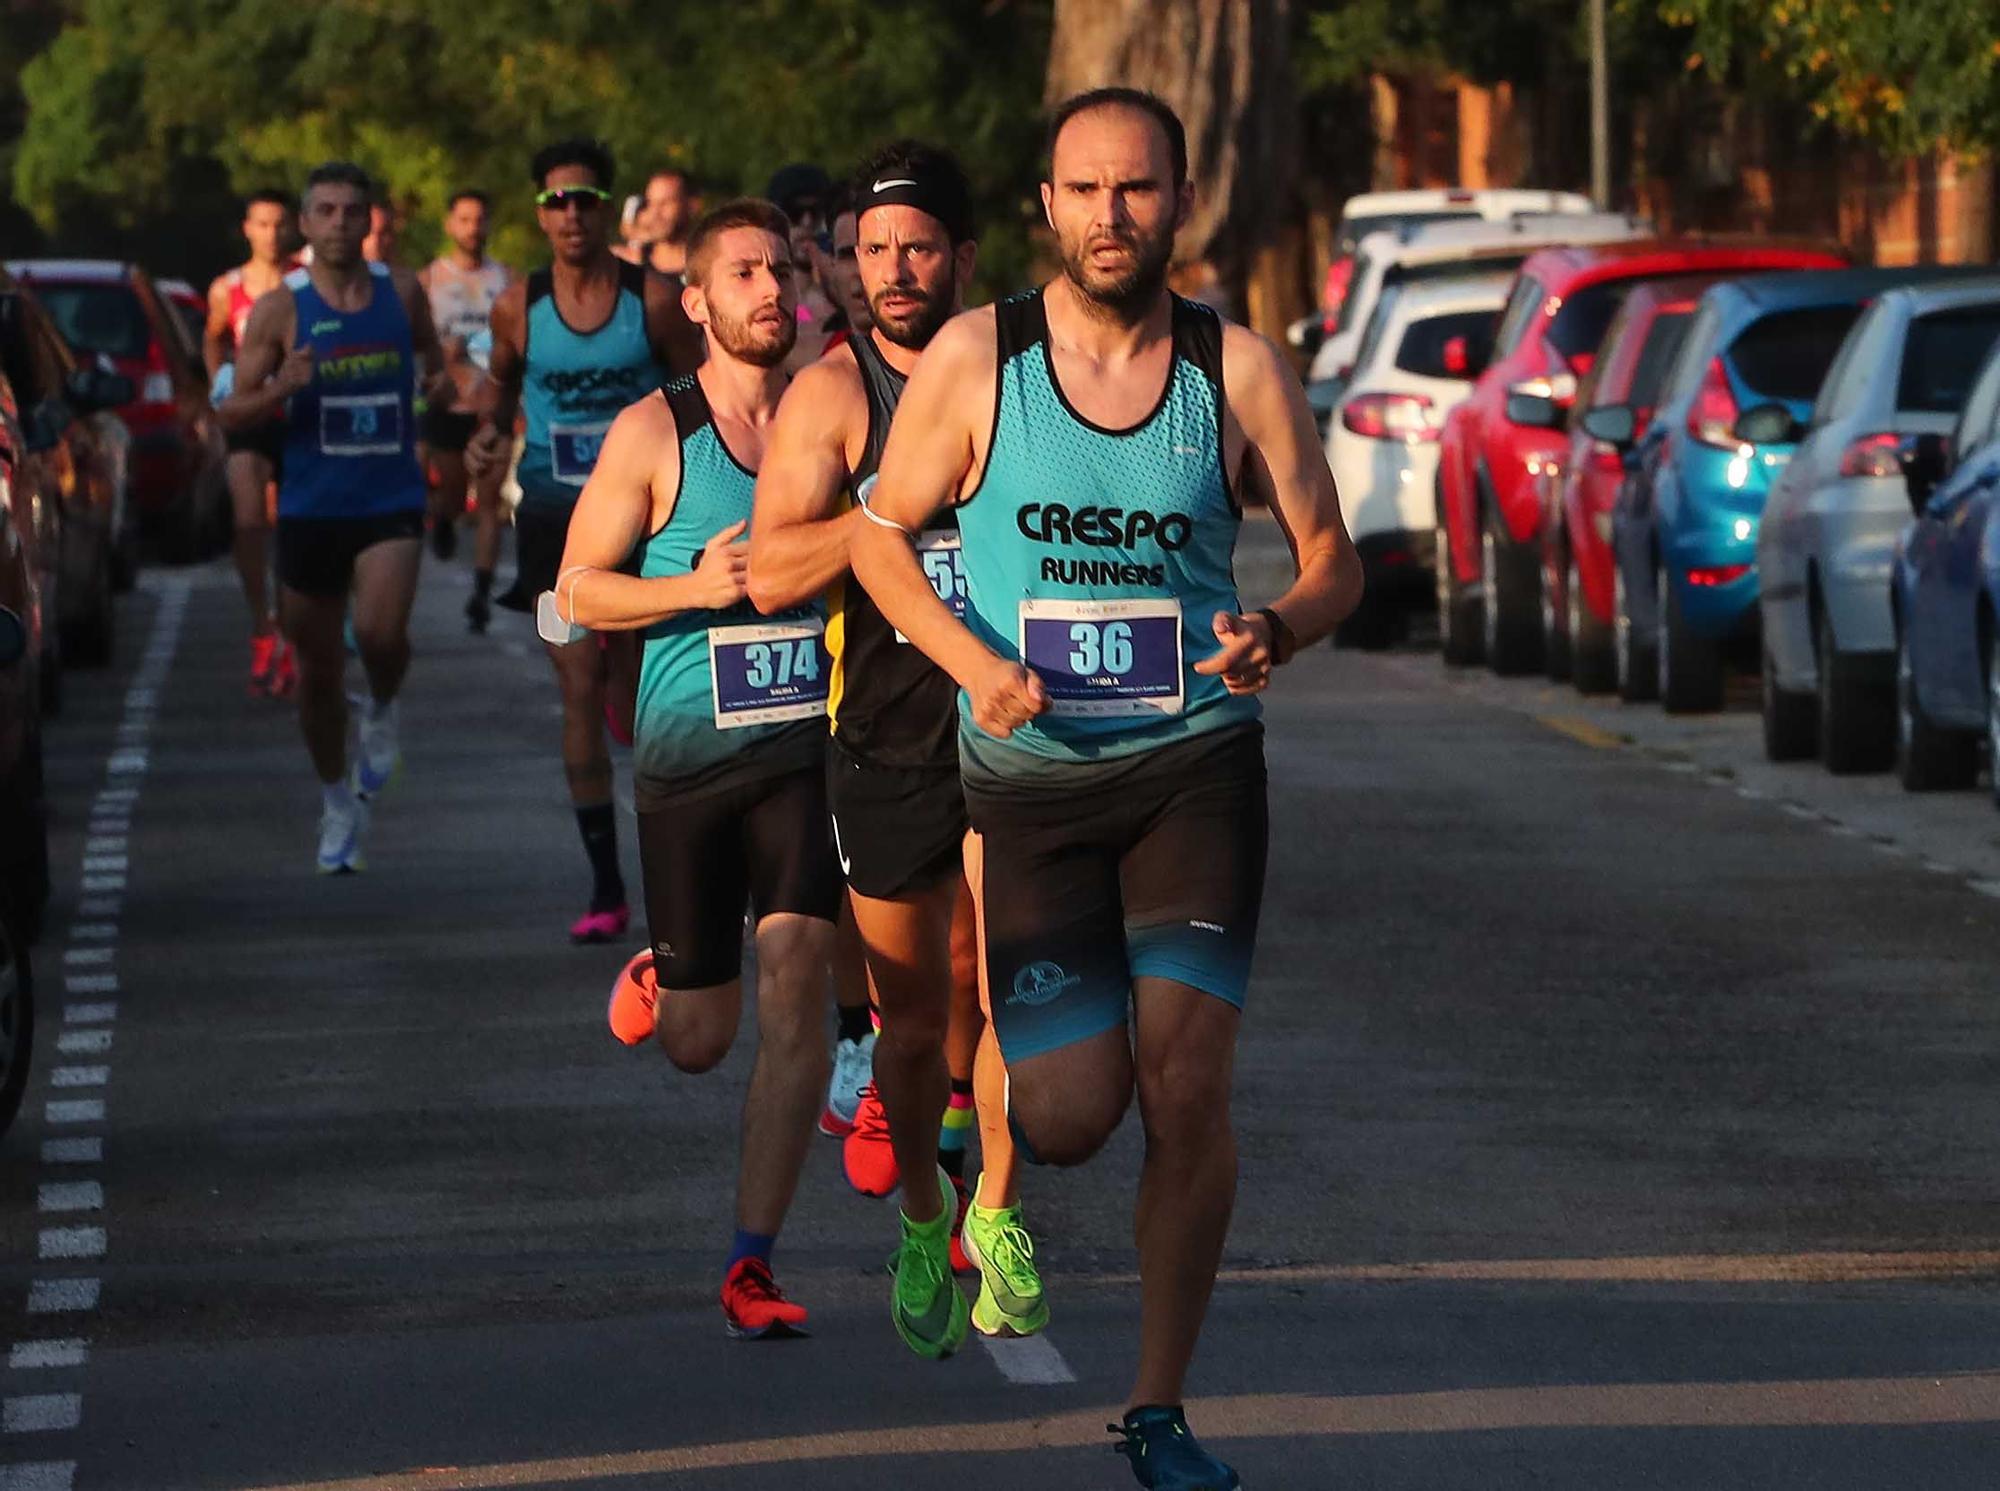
899, 812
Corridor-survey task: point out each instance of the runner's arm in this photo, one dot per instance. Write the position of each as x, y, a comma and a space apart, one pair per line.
676, 341
434, 383
269, 370
640, 457
491, 445
799, 536
216, 341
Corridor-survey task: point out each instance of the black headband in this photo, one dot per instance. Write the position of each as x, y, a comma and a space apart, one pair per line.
936, 192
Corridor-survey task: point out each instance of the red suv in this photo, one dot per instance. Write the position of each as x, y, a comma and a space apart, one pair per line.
1500, 441
104, 308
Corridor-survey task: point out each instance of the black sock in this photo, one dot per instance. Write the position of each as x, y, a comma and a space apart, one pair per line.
856, 1023
599, 827
482, 583
953, 1162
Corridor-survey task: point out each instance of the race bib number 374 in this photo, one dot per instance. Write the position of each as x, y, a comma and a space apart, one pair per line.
766, 674
1105, 659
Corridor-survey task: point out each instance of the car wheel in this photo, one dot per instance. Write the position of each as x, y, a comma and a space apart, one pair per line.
17, 1019
1593, 660
1638, 673
1458, 627
1510, 583
1857, 717
1791, 720
89, 643
1555, 627
1690, 664
1928, 758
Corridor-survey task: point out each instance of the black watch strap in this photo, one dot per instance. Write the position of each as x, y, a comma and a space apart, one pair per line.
1283, 642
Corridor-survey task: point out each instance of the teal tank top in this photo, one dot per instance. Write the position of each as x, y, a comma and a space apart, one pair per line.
715, 687
575, 384
1100, 557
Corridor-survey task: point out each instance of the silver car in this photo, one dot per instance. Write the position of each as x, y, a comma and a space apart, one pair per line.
1827, 545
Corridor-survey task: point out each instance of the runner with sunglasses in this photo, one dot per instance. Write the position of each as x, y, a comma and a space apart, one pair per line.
572, 345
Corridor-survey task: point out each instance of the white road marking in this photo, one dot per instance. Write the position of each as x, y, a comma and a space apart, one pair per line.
41, 1412
78, 1110
126, 764
98, 906
69, 1195
41, 1475
98, 884
104, 844
80, 1076
90, 983
84, 1042
34, 1356
94, 932
63, 1296
118, 794
1939, 867
105, 864
70, 1242
72, 1151
1987, 887
140, 698
90, 1014
80, 957
1031, 1361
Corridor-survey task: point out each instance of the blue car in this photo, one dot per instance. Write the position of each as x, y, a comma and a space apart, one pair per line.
1684, 530
1946, 598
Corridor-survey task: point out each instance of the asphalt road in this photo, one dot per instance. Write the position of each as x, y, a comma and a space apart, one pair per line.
1603, 1125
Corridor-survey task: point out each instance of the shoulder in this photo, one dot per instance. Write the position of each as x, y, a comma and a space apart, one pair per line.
1252, 365
965, 342
827, 394
222, 284
275, 307
406, 282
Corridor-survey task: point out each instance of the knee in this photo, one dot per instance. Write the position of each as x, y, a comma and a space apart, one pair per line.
1185, 1093
1066, 1127
697, 1048
375, 640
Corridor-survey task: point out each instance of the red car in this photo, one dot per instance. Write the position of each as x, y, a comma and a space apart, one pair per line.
1501, 439
1577, 497
114, 310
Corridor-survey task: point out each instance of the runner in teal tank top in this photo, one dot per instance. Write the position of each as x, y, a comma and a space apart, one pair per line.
730, 731
1097, 438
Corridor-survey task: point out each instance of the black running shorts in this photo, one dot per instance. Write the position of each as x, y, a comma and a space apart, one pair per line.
761, 842
449, 430
315, 556
1146, 866
898, 829
266, 440
539, 536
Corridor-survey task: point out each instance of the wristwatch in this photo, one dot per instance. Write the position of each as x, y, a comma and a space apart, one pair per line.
1283, 641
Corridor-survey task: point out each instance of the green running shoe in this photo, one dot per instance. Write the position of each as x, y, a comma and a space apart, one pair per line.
929, 1312
1010, 1299
1165, 1456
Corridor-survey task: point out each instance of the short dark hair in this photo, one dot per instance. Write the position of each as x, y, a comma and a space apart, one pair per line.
1123, 98
680, 173
469, 194
340, 173
266, 196
933, 165
593, 155
740, 212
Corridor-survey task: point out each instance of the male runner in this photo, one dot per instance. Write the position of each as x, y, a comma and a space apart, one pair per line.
572, 345
845, 279
252, 463
463, 284
729, 772
668, 213
336, 351
1096, 436
385, 232
898, 808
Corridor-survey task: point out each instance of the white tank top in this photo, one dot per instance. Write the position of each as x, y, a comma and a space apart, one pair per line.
462, 300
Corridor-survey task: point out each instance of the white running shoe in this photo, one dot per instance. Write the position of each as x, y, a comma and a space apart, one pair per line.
342, 822
853, 1069
381, 749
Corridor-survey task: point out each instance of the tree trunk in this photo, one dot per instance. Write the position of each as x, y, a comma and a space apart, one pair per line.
1224, 66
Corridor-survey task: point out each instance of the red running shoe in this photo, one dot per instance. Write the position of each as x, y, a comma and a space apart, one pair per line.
960, 1264
634, 1000
866, 1153
263, 655
754, 1307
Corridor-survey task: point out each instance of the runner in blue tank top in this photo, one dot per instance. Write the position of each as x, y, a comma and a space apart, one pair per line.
1097, 437
339, 351
572, 345
729, 771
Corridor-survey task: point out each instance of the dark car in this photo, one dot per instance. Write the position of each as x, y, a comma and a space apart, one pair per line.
105, 308
73, 457
24, 839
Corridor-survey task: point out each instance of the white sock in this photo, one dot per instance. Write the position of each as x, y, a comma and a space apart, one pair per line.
337, 795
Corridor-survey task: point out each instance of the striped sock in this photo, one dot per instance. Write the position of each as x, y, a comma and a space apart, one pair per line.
957, 1128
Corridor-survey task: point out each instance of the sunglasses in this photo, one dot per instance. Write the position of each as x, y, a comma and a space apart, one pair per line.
562, 198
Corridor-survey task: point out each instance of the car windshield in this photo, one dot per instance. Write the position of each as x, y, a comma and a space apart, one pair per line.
1663, 344
97, 318
1584, 318
1354, 229
1941, 357
1422, 349
1784, 356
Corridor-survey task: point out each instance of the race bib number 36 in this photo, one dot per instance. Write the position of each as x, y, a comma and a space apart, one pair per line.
365, 424
573, 451
765, 674
1105, 659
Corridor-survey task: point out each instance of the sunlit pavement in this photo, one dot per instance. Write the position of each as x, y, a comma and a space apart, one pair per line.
1602, 1126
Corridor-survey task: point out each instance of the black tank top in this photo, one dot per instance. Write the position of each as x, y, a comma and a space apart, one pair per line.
890, 705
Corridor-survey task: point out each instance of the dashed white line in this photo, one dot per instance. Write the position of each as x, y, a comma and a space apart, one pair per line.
36, 1356
41, 1475
98, 906
1986, 887
74, 1110
63, 1296
1031, 1361
70, 1242
111, 843
69, 1195
91, 983
84, 1042
98, 884
72, 1151
90, 1014
39, 1413
80, 1076
105, 864
87, 957
94, 932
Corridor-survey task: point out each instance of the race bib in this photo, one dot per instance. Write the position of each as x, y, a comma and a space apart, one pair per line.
767, 673
938, 551
361, 424
573, 451
1105, 659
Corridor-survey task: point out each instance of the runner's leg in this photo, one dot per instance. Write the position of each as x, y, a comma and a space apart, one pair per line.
581, 675
385, 590
999, 1164
447, 498
247, 475
790, 1070
314, 624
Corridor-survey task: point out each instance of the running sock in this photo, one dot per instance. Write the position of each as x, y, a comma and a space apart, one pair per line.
749, 1245
336, 795
858, 1023
482, 583
958, 1121
599, 826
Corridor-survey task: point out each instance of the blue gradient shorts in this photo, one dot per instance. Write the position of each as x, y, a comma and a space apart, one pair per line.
1141, 866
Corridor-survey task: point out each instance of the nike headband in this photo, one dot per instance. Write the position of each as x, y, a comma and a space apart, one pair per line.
936, 192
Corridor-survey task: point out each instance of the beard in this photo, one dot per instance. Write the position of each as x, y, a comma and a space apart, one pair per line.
914, 329
1129, 289
761, 344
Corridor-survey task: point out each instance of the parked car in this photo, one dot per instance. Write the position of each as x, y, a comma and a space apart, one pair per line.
75, 457
25, 534
187, 304
1614, 406
112, 309
1415, 363
1946, 604
1500, 440
1826, 547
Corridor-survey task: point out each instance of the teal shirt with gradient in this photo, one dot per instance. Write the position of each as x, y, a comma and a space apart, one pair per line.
574, 384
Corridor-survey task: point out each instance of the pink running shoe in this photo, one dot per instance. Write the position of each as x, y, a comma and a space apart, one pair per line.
600, 926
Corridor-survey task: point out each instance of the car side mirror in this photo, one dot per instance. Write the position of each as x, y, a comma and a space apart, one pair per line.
1533, 411
1924, 468
92, 389
1614, 424
1768, 424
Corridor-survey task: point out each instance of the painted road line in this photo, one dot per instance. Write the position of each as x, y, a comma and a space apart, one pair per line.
94, 932
90, 1014
74, 1110
70, 1242
1986, 887
1029, 1361
63, 1296
39, 1413
36, 1356
87, 957
69, 1195
1580, 731
42, 1475
84, 1042
80, 1076
105, 864
98, 906
72, 1151
103, 884
111, 843
90, 983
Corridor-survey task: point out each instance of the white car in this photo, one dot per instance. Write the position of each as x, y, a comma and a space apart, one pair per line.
1417, 359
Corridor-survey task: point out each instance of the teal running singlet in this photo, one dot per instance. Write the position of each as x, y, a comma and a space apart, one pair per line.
713, 684
1100, 557
575, 384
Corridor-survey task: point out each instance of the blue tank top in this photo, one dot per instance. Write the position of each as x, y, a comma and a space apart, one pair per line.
713, 684
350, 434
1101, 556
575, 384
